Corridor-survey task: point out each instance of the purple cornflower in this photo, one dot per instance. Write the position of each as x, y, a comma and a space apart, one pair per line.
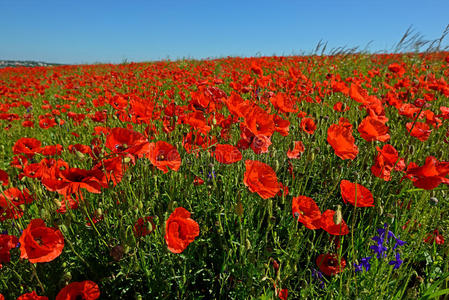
317, 274
384, 236
396, 263
379, 249
364, 263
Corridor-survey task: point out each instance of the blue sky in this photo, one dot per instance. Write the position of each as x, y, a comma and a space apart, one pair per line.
113, 31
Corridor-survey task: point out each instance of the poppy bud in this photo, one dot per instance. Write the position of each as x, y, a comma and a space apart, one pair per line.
248, 244
337, 216
139, 205
433, 201
66, 277
117, 252
239, 208
275, 265
419, 102
80, 155
44, 213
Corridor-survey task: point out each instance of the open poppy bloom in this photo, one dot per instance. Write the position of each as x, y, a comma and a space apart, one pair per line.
87, 290
306, 211
164, 156
356, 194
32, 296
74, 179
7, 242
297, 150
282, 103
419, 130
4, 178
260, 178
385, 161
180, 230
373, 129
330, 264
11, 201
339, 136
227, 154
259, 122
308, 125
328, 224
126, 141
27, 146
39, 243
430, 175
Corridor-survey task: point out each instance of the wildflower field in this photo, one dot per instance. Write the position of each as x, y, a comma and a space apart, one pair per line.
269, 177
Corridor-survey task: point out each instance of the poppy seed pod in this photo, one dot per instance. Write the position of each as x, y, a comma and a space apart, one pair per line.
433, 201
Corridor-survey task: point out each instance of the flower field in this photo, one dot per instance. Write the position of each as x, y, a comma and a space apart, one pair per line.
269, 177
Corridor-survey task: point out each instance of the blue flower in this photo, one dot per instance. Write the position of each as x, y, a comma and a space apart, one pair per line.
317, 274
396, 263
379, 249
364, 263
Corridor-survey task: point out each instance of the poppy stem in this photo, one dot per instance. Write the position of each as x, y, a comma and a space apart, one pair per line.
33, 267
95, 227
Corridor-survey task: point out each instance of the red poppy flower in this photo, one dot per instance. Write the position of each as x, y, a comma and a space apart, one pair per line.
87, 290
420, 130
297, 150
259, 122
126, 141
396, 68
7, 242
339, 136
328, 224
11, 201
163, 156
430, 175
358, 94
237, 106
260, 144
32, 296
349, 191
281, 125
385, 161
39, 243
260, 178
330, 264
46, 123
282, 103
51, 150
373, 129
4, 178
112, 170
341, 107
180, 230
306, 211
308, 125
74, 179
198, 181
434, 237
27, 146
143, 226
283, 294
227, 154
